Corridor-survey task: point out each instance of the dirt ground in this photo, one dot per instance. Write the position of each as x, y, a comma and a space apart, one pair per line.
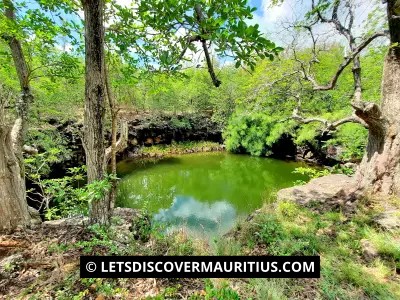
30, 269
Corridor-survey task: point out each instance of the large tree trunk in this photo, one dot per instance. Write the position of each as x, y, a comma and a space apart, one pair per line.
13, 205
379, 171
100, 210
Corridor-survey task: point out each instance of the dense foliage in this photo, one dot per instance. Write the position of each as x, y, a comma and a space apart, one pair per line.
265, 114
254, 108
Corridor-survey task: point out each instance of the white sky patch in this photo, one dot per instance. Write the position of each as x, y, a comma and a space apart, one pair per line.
31, 37
81, 14
187, 207
126, 3
197, 58
181, 32
65, 47
269, 17
272, 14
272, 18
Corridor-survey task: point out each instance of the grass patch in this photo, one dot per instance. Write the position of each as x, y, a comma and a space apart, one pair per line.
285, 228
282, 228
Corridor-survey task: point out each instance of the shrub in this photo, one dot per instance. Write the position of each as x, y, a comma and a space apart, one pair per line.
254, 133
353, 139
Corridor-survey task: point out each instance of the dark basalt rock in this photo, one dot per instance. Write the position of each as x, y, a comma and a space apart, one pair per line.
144, 130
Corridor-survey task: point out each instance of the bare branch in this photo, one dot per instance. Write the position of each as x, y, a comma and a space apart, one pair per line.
328, 125
189, 40
347, 60
120, 145
351, 119
366, 114
346, 31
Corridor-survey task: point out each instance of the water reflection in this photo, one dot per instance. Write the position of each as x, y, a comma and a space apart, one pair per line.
214, 218
207, 192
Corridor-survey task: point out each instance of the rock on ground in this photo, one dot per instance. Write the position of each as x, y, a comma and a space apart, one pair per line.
8, 264
368, 249
328, 192
35, 216
388, 220
73, 221
126, 214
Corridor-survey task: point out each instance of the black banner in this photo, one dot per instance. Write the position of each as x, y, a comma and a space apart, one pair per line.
200, 266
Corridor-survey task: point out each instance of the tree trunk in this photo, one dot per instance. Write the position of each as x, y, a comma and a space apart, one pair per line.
113, 147
14, 208
379, 171
116, 146
100, 210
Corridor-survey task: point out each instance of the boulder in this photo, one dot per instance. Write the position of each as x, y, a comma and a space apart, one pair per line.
324, 193
334, 152
125, 213
35, 216
149, 141
122, 227
30, 150
9, 264
309, 155
134, 142
368, 249
74, 221
388, 220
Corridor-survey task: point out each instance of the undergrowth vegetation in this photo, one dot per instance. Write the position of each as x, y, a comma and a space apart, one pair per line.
349, 268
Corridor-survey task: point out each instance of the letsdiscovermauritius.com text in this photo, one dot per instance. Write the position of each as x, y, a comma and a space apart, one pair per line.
200, 266
189, 267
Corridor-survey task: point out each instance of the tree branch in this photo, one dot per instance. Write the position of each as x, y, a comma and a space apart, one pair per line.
347, 60
200, 19
190, 39
329, 125
22, 69
121, 144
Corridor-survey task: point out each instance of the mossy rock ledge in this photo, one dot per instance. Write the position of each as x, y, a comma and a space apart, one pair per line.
332, 192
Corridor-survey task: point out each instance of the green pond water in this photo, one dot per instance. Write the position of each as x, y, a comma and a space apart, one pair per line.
205, 193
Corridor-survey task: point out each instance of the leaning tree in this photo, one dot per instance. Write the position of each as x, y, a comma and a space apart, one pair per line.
14, 208
379, 170
15, 31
